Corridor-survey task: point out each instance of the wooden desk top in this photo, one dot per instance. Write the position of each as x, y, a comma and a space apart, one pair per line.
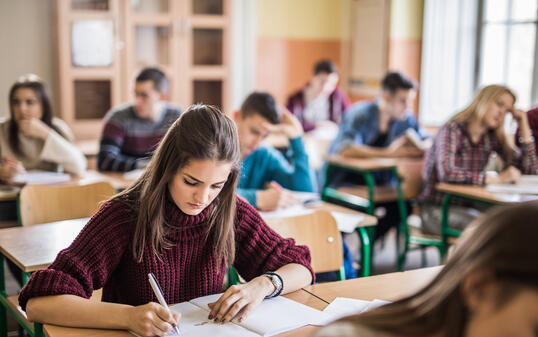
367, 220
35, 247
300, 296
388, 287
116, 179
89, 147
363, 164
9, 193
480, 193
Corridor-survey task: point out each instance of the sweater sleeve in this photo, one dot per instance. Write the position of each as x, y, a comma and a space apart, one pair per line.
296, 175
110, 157
445, 159
88, 262
259, 249
60, 151
528, 161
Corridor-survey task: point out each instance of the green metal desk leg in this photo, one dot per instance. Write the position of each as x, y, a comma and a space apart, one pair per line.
3, 317
366, 257
38, 330
370, 183
444, 223
403, 222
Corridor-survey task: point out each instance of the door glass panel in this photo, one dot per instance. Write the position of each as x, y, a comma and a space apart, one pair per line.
207, 46
208, 92
149, 6
92, 98
92, 43
151, 45
90, 5
211, 7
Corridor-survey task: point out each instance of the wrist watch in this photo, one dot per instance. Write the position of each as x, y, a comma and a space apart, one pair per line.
276, 280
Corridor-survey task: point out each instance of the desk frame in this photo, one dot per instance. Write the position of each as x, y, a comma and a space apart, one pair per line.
366, 235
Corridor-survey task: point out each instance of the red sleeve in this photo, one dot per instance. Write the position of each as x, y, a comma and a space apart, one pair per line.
259, 249
87, 263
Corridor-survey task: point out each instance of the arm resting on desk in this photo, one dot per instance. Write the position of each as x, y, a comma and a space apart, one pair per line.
69, 310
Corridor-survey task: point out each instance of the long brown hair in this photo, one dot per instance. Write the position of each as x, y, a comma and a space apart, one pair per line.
202, 132
476, 110
502, 241
30, 81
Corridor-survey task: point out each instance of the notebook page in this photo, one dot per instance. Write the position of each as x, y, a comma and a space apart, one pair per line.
341, 307
194, 323
274, 315
41, 177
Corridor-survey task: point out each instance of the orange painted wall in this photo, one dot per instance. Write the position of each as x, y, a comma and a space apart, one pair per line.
286, 64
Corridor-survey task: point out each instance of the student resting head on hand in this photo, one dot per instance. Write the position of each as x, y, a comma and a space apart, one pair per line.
180, 221
33, 138
489, 286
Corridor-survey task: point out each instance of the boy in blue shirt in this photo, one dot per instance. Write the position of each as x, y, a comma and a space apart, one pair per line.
267, 176
378, 129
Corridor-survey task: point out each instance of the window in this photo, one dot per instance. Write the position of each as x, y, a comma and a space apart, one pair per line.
508, 48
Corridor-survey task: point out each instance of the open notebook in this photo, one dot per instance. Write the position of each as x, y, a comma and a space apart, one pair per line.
41, 177
527, 184
271, 317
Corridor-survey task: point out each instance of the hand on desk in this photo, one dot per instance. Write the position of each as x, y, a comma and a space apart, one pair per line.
273, 198
510, 175
152, 319
239, 300
402, 147
9, 169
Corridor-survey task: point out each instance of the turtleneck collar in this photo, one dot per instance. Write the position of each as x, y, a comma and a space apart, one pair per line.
176, 217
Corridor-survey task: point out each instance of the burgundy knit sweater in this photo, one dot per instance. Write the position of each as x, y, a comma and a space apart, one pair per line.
101, 257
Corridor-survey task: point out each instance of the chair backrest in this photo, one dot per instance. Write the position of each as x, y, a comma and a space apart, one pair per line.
48, 203
410, 169
319, 232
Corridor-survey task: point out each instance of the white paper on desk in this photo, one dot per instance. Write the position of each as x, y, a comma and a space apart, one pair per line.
41, 177
274, 316
134, 174
513, 188
342, 306
346, 222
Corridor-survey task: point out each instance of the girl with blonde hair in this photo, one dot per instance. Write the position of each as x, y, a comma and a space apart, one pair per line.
462, 149
489, 287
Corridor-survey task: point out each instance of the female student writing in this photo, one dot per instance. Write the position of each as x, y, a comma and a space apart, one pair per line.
489, 287
461, 151
33, 138
180, 221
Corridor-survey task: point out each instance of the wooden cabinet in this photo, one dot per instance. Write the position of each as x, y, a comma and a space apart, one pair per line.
103, 44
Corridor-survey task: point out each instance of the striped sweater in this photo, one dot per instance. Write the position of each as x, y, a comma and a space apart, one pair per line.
127, 140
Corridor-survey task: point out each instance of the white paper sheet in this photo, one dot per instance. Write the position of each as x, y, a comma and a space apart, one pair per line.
342, 306
274, 316
41, 177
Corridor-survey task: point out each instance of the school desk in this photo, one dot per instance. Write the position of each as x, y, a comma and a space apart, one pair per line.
387, 287
367, 196
472, 193
32, 248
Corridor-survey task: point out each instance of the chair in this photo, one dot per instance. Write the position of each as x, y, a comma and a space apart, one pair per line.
47, 203
320, 233
412, 237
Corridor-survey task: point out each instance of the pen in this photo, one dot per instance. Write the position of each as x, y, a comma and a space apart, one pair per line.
159, 294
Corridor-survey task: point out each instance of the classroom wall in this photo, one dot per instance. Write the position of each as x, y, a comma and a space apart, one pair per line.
405, 44
27, 44
292, 36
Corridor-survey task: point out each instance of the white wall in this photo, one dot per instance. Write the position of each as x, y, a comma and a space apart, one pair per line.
26, 45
